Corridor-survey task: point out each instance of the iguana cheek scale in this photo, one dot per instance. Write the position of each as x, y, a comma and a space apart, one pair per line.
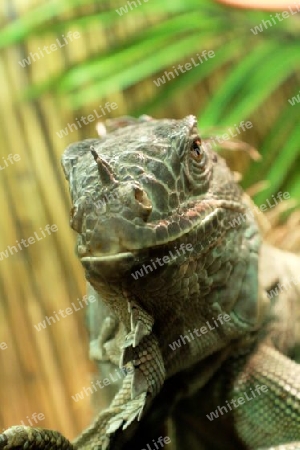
160, 189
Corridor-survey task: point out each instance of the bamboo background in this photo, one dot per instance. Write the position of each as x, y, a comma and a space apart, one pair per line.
40, 371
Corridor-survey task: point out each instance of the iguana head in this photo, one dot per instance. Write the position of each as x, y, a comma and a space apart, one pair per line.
148, 188
148, 184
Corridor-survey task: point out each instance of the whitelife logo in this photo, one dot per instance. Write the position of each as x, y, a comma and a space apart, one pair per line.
236, 402
230, 133
86, 119
187, 66
11, 158
35, 417
292, 101
283, 286
132, 5
165, 260
53, 47
279, 16
29, 241
203, 330
158, 443
118, 373
64, 312
263, 208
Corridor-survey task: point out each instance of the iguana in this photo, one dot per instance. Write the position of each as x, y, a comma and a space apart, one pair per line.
165, 252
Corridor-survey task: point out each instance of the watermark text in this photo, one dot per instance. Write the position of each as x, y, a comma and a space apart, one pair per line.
182, 68
62, 313
38, 236
85, 120
3, 345
47, 49
8, 160
186, 338
279, 18
236, 402
161, 261
132, 4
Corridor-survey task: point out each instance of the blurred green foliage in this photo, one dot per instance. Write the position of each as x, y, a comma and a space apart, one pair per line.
249, 70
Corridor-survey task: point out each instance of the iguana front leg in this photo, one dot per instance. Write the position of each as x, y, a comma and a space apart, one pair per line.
272, 420
259, 421
143, 362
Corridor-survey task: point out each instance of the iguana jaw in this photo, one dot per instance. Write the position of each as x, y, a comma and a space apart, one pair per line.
120, 240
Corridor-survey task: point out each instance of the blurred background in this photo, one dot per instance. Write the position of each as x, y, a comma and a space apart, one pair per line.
66, 59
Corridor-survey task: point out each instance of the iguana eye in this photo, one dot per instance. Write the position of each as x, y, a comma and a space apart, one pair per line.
197, 151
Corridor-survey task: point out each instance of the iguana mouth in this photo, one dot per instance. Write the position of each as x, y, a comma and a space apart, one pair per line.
131, 239
110, 265
108, 258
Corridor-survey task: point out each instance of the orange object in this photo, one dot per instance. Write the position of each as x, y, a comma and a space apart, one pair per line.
270, 5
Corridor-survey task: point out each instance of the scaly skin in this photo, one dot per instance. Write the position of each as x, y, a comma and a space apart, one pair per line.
143, 191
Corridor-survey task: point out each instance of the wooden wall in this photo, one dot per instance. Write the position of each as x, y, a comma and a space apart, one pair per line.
40, 370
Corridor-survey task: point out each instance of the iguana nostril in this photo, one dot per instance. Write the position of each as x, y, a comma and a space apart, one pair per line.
138, 193
142, 198
143, 202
